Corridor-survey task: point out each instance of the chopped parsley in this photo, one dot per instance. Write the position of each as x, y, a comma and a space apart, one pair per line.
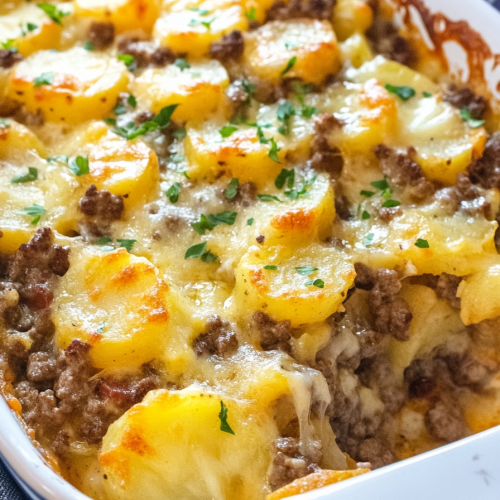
317, 283
180, 133
249, 88
52, 12
32, 175
35, 211
232, 189
132, 101
160, 121
127, 244
273, 152
31, 27
79, 166
268, 197
271, 268
291, 45
173, 192
200, 250
100, 328
426, 94
58, 158
251, 14
466, 116
250, 221
227, 131
46, 78
182, 64
89, 46
294, 194
103, 240
368, 194
391, 203
306, 270
368, 239
287, 176
129, 61
403, 92
382, 184
261, 136
209, 222
289, 65
284, 113
4, 123
365, 215
420, 243
224, 426
207, 24
9, 45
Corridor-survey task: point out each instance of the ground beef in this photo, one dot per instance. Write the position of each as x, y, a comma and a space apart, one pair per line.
146, 54
289, 464
485, 171
464, 196
100, 208
230, 47
446, 288
219, 338
101, 35
387, 214
468, 369
365, 276
296, 9
260, 239
8, 58
404, 172
445, 422
465, 98
325, 157
375, 452
342, 205
386, 41
22, 115
42, 367
420, 378
390, 312
246, 195
274, 335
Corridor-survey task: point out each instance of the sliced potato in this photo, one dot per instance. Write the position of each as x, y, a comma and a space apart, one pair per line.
126, 15
68, 87
283, 292
173, 444
350, 17
304, 48
198, 90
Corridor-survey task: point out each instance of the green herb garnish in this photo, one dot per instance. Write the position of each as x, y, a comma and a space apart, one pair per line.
182, 64
44, 79
79, 166
227, 131
420, 243
35, 211
317, 283
52, 12
232, 189
271, 268
127, 244
403, 92
289, 65
284, 176
306, 270
224, 426
32, 175
467, 117
173, 192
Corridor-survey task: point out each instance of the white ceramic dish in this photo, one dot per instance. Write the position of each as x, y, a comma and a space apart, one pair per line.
466, 470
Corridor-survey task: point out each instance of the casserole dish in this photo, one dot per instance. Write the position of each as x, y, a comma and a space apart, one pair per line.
472, 61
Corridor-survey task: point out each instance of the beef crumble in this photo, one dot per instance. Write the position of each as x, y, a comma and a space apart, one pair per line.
101, 208
101, 34
219, 338
230, 47
274, 335
485, 171
466, 98
325, 157
297, 9
145, 53
8, 58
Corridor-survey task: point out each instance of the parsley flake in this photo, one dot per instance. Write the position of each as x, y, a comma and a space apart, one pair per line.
294, 194
284, 113
420, 243
466, 116
100, 328
182, 64
173, 192
289, 65
317, 283
306, 270
426, 94
208, 223
368, 239
127, 244
273, 152
382, 184
232, 189
89, 46
267, 198
46, 78
403, 92
271, 268
250, 221
224, 426
368, 194
4, 123
31, 27
129, 61
208, 257
9, 45
32, 175
227, 131
52, 12
180, 133
79, 166
196, 251
391, 203
35, 211
251, 14
103, 240
287, 176
58, 159
132, 101
365, 215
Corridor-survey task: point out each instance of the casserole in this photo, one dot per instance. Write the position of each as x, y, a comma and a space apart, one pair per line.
276, 312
